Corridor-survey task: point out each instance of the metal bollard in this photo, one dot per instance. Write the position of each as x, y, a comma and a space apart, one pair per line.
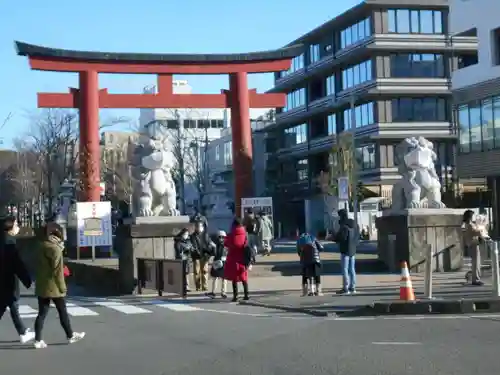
428, 273
495, 269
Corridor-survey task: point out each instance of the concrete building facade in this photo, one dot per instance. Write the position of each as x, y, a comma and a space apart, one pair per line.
390, 62
476, 94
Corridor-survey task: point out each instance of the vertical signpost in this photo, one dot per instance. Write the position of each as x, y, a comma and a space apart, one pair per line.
343, 190
94, 226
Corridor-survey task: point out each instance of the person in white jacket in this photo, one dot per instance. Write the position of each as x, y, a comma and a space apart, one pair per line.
265, 235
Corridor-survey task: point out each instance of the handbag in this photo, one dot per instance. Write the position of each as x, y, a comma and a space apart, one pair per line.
66, 271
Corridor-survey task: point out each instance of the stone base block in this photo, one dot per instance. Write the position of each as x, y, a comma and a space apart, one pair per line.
405, 235
146, 237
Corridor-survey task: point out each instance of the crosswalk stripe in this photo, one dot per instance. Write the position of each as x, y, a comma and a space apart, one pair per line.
25, 309
75, 310
123, 308
177, 306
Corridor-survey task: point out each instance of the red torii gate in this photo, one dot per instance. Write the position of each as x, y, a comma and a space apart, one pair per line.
88, 98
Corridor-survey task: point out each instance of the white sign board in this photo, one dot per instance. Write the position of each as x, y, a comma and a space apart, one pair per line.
94, 224
257, 205
343, 187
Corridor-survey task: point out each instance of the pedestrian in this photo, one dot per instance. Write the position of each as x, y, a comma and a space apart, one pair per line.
473, 235
252, 229
12, 269
183, 249
217, 270
239, 258
265, 235
203, 249
50, 285
347, 239
309, 248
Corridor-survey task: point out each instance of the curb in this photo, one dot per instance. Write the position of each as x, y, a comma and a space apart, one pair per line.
421, 307
302, 310
426, 307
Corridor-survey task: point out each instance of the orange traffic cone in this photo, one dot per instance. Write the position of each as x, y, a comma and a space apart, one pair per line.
406, 288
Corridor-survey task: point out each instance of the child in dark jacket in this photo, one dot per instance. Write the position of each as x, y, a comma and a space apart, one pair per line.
217, 270
183, 249
308, 249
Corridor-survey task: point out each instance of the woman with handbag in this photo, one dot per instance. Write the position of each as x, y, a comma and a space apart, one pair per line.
217, 270
238, 258
50, 285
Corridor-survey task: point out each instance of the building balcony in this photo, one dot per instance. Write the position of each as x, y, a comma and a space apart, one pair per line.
370, 90
379, 44
393, 131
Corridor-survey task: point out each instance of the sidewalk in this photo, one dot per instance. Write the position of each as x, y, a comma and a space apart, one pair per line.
448, 288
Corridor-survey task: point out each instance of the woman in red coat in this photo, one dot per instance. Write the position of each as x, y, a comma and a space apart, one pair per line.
237, 262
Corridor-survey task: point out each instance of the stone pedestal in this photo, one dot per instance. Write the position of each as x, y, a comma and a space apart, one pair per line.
404, 236
145, 237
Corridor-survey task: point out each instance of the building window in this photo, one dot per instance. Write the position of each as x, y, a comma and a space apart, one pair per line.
479, 125
357, 74
405, 21
295, 99
464, 128
363, 116
332, 124
418, 109
495, 47
302, 170
172, 124
314, 53
189, 124
295, 135
425, 65
297, 64
365, 157
330, 85
217, 152
228, 153
355, 33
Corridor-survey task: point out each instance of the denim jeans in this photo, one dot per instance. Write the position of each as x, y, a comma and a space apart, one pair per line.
348, 272
14, 314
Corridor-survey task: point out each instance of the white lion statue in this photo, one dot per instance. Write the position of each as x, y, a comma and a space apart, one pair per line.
419, 186
151, 162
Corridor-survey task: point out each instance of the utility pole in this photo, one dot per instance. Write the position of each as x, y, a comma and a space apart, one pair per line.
354, 172
180, 147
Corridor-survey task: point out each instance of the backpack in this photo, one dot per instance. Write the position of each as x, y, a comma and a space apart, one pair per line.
306, 242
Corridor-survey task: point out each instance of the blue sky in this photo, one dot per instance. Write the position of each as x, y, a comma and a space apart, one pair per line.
189, 26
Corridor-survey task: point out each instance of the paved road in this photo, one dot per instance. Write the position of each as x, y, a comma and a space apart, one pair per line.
223, 338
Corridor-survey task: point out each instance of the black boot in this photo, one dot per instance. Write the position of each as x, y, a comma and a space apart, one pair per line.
235, 291
245, 291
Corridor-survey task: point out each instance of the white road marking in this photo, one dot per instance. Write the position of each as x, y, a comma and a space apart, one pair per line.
26, 309
75, 310
177, 306
123, 308
395, 343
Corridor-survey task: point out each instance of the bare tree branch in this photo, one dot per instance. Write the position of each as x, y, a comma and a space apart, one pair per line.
6, 120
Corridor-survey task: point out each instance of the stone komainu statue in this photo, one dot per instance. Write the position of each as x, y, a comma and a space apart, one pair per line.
419, 186
151, 164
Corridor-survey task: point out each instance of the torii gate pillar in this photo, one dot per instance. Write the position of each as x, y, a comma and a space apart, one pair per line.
242, 137
90, 153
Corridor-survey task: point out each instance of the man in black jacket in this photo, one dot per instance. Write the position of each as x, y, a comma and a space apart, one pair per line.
12, 268
203, 249
347, 239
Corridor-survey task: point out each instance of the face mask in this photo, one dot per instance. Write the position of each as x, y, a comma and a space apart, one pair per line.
185, 236
199, 229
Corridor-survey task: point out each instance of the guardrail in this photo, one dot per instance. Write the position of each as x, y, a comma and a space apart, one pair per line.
495, 269
162, 275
